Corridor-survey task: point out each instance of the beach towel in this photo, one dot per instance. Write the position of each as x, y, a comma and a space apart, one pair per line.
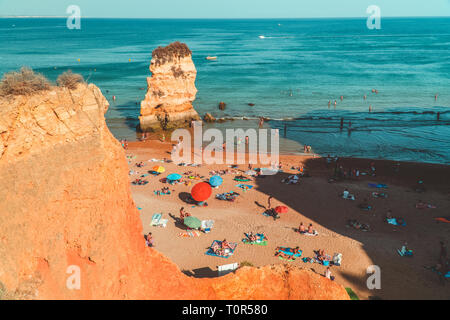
379, 195
377, 185
289, 253
260, 241
159, 193
189, 234
405, 253
315, 233
271, 216
242, 179
443, 219
207, 225
228, 196
282, 258
227, 252
155, 219
244, 187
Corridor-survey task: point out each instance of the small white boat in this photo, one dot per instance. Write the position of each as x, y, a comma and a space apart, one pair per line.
261, 37
211, 58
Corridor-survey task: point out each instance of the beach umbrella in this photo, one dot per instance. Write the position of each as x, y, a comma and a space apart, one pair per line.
281, 209
201, 191
215, 181
192, 222
173, 177
159, 169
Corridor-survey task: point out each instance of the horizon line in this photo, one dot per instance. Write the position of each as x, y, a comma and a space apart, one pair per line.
214, 18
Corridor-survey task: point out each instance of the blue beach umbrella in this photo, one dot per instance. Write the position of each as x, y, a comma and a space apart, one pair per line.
173, 177
215, 181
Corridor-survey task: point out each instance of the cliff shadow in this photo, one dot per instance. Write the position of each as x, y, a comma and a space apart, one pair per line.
319, 201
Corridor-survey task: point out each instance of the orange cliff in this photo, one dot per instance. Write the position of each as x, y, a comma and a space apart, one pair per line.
171, 89
65, 201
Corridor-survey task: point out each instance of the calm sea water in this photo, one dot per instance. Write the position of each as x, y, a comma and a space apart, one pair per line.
290, 74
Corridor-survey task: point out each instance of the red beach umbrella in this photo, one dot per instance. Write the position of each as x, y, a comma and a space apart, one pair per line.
281, 209
201, 191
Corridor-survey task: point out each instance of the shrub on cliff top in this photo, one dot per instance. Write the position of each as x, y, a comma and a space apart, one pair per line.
166, 54
69, 80
23, 82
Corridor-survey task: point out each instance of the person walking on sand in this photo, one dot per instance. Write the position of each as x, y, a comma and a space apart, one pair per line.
269, 205
328, 274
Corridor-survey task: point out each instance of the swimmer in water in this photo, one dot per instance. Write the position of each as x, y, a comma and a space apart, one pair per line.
335, 103
329, 104
435, 97
114, 98
365, 97
342, 98
370, 108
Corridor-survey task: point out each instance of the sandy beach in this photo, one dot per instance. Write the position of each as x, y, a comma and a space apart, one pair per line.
314, 200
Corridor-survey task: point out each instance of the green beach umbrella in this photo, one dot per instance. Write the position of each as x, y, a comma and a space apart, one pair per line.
192, 222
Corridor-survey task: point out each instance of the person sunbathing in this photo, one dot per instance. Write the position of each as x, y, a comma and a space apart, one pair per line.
321, 255
284, 255
301, 228
310, 229
253, 237
225, 245
423, 205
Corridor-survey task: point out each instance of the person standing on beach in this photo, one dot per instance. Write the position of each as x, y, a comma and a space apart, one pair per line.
261, 122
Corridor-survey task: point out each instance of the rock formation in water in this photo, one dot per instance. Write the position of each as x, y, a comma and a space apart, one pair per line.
65, 203
171, 89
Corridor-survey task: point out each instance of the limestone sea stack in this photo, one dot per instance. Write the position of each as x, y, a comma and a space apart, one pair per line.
171, 89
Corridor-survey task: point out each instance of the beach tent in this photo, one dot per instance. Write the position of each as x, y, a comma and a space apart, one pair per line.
201, 191
159, 169
192, 222
281, 209
174, 177
215, 181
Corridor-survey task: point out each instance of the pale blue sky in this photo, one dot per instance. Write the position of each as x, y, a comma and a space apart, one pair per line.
226, 8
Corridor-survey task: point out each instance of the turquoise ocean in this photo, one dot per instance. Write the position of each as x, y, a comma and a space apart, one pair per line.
289, 70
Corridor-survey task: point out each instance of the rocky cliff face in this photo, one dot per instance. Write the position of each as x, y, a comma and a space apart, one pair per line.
65, 201
171, 89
